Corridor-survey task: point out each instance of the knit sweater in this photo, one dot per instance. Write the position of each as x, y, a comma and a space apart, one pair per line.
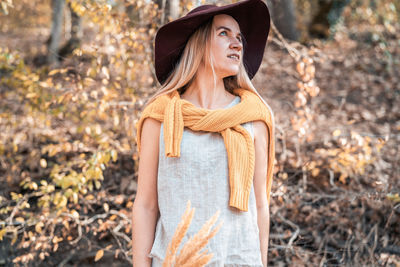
177, 113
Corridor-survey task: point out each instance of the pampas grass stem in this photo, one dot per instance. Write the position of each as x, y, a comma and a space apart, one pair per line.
190, 254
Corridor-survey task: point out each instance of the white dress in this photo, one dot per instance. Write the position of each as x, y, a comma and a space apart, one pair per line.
201, 175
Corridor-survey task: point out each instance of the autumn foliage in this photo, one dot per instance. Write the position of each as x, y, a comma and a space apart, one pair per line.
68, 159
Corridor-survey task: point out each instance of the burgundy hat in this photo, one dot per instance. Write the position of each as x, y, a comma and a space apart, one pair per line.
251, 15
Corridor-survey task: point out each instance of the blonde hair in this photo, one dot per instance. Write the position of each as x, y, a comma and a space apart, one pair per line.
197, 48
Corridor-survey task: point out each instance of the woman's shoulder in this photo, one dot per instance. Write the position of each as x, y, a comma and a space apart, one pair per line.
151, 123
148, 134
150, 127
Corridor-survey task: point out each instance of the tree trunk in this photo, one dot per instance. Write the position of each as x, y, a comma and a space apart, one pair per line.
328, 14
56, 28
76, 25
162, 7
76, 35
174, 9
284, 18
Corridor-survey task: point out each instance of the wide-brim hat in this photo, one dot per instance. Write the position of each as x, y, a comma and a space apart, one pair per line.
252, 16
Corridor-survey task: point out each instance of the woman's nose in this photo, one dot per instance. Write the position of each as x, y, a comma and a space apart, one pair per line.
236, 44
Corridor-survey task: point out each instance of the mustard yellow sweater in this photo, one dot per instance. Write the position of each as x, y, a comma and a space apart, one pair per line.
177, 113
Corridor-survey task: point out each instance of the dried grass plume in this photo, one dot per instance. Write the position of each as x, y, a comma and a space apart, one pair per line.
190, 254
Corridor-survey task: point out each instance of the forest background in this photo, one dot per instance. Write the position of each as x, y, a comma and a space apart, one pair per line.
74, 76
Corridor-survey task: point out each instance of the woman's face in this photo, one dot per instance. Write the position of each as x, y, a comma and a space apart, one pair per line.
226, 45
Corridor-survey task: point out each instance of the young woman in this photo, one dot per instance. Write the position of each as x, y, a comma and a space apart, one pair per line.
207, 136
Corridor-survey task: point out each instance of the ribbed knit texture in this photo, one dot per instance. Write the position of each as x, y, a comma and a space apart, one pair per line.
177, 113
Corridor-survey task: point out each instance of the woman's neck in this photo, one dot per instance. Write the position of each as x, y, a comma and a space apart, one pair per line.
202, 93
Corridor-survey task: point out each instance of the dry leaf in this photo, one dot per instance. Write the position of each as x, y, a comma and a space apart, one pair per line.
99, 255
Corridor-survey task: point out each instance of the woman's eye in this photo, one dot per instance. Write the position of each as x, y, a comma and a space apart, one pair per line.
223, 32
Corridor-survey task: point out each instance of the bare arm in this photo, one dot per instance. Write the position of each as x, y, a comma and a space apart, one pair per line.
145, 208
260, 185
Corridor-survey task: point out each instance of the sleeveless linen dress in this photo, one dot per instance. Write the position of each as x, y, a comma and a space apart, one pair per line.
201, 175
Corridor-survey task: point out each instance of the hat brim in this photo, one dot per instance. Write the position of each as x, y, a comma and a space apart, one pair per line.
252, 16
